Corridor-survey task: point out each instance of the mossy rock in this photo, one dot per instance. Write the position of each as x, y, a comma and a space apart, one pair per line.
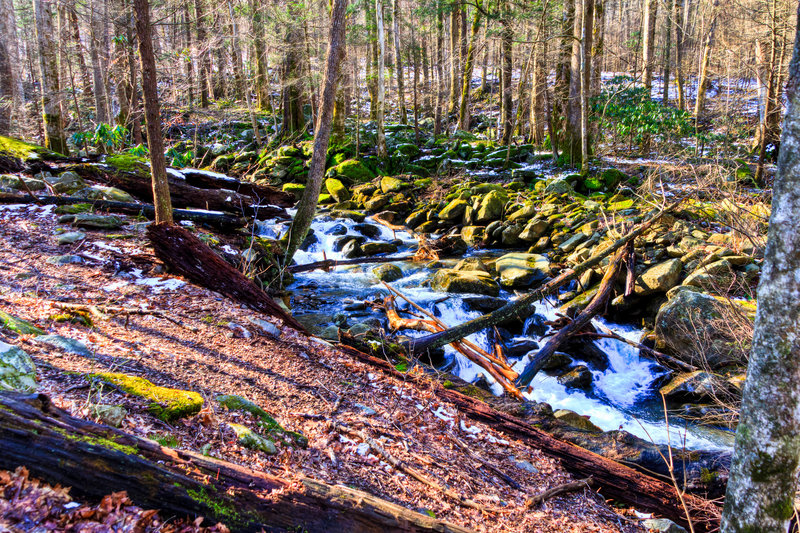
387, 272
73, 209
66, 183
167, 404
100, 192
464, 281
391, 184
8, 181
17, 325
353, 170
17, 372
129, 163
234, 402
295, 189
337, 190
252, 440
22, 151
454, 210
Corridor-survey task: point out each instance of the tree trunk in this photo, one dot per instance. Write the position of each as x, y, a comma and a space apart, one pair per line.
307, 206
8, 33
292, 70
6, 73
649, 42
102, 112
679, 45
187, 33
761, 487
455, 29
54, 137
702, 84
506, 51
572, 146
381, 111
437, 119
563, 82
261, 85
398, 63
469, 65
95, 460
586, 80
204, 62
667, 52
158, 168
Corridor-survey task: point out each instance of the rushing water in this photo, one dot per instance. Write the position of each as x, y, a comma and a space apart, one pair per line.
623, 396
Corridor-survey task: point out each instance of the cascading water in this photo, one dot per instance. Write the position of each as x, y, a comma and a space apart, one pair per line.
621, 397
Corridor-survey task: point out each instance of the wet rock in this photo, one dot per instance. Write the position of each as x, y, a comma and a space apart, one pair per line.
352, 249
70, 237
375, 248
535, 326
471, 263
484, 304
559, 187
387, 272
337, 229
377, 203
352, 215
491, 207
522, 214
65, 344
17, 371
368, 230
519, 348
579, 377
575, 420
520, 270
341, 242
465, 281
557, 361
510, 235
659, 278
472, 235
416, 218
695, 386
570, 244
337, 190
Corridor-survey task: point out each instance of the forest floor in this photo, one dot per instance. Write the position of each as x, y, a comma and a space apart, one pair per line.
211, 346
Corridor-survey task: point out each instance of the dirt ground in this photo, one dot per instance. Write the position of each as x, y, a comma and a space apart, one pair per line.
201, 341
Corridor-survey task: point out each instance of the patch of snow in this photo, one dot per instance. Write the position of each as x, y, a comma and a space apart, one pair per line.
158, 285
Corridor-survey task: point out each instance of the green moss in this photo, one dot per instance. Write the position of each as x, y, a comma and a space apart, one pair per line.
448, 384
128, 163
220, 508
235, 402
165, 439
75, 316
17, 325
167, 404
100, 441
22, 150
73, 209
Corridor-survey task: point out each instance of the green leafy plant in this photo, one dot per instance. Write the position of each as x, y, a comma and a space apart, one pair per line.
105, 138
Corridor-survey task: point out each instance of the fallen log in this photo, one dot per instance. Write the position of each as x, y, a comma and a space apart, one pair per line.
138, 183
263, 193
614, 480
331, 263
597, 304
221, 221
187, 255
97, 460
520, 306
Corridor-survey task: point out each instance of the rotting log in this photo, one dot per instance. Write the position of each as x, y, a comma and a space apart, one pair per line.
187, 255
137, 182
521, 306
595, 306
221, 221
614, 480
265, 194
96, 460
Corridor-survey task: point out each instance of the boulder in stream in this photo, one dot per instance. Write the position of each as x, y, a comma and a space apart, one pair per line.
464, 281
520, 270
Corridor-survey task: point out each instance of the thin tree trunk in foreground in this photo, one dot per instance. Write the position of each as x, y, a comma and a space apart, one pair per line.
765, 462
322, 132
152, 113
381, 136
96, 460
702, 84
469, 64
398, 63
54, 138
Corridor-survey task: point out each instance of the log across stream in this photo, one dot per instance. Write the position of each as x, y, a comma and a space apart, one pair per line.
622, 396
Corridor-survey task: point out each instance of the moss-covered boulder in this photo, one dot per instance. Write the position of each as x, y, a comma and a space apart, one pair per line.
559, 187
165, 403
472, 235
695, 386
387, 272
520, 270
353, 170
100, 192
66, 183
16, 152
266, 421
9, 181
522, 214
375, 248
454, 211
491, 207
337, 190
575, 420
295, 189
17, 372
98, 222
464, 281
659, 278
534, 229
390, 184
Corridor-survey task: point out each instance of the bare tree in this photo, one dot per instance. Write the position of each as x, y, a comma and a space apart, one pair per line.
48, 77
381, 136
761, 487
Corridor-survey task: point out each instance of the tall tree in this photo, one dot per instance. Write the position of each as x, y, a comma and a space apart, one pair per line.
705, 61
54, 137
322, 132
152, 113
763, 476
381, 136
469, 65
102, 108
506, 52
292, 71
6, 83
204, 60
649, 41
398, 62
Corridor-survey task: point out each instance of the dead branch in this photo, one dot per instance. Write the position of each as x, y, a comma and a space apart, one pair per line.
533, 501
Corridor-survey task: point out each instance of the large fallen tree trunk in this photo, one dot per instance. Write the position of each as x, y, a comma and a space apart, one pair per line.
332, 263
97, 460
265, 194
137, 182
595, 306
187, 255
521, 306
221, 221
615, 480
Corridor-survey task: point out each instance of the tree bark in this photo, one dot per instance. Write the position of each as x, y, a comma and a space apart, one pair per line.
764, 469
307, 206
6, 75
381, 111
649, 42
398, 63
506, 51
292, 70
455, 29
680, 24
702, 84
469, 65
155, 142
54, 137
586, 80
102, 112
203, 61
95, 460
